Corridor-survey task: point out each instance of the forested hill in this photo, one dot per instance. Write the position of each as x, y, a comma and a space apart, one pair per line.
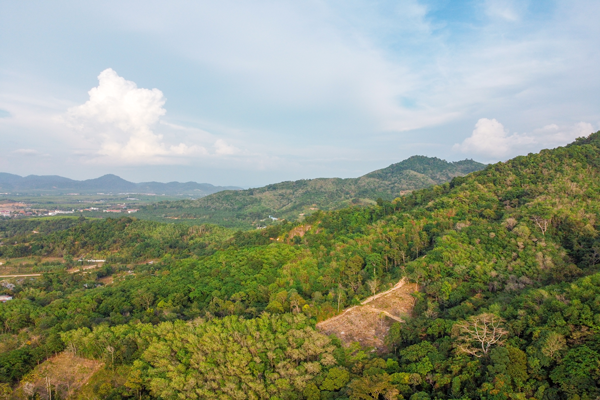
506, 261
292, 200
53, 184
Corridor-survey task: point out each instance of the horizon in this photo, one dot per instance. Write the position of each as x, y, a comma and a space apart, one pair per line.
250, 93
242, 187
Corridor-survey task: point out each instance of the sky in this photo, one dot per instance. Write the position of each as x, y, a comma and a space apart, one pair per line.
254, 92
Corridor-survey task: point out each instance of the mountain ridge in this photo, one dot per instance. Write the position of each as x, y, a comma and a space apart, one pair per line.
293, 199
108, 182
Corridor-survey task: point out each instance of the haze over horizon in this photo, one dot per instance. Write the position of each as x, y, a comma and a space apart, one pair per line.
252, 93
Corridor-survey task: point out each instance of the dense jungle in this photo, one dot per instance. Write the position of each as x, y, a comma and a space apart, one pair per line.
505, 261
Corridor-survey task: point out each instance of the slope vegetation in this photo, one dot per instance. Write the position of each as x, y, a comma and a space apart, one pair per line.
506, 261
293, 200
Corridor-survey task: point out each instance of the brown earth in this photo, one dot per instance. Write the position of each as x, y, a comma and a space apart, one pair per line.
370, 322
64, 373
11, 206
84, 268
107, 280
299, 231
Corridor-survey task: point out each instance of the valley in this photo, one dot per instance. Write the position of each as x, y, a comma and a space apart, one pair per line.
378, 301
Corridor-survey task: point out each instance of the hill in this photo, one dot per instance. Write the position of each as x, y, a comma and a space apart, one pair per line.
293, 200
53, 184
503, 265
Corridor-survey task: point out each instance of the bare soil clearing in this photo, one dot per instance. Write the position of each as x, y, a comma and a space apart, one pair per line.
370, 322
107, 280
64, 373
299, 231
84, 268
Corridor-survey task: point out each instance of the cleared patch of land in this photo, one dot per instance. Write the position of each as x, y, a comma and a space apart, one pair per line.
370, 322
30, 265
64, 374
24, 267
107, 280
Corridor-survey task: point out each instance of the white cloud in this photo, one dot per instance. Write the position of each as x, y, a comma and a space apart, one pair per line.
281, 78
222, 148
26, 152
119, 117
492, 141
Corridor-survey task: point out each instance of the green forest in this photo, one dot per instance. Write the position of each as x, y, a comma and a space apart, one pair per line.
506, 259
293, 201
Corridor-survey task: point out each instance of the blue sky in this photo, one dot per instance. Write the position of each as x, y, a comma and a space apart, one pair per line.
254, 92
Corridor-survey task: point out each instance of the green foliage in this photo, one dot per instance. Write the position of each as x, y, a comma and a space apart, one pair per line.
131, 238
251, 208
12, 228
518, 241
336, 379
579, 372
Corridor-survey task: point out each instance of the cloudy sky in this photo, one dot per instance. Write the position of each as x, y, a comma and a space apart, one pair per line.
254, 92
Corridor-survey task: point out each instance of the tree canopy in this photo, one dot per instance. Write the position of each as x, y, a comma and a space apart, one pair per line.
506, 260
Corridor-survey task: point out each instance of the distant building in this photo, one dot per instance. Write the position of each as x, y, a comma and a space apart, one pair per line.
56, 212
4, 213
131, 211
5, 298
91, 261
112, 211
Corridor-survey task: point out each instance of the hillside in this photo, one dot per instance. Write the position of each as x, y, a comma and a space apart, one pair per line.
370, 322
499, 296
294, 199
53, 184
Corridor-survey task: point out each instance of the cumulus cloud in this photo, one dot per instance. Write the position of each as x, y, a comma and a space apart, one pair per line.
119, 117
492, 141
222, 148
281, 79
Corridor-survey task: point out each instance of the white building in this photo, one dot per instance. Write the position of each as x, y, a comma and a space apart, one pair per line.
5, 298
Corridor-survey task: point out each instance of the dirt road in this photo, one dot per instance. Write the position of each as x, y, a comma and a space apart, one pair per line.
370, 322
